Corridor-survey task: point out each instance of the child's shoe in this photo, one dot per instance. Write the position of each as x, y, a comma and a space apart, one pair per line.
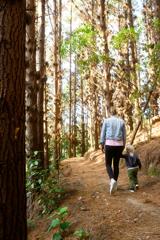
137, 186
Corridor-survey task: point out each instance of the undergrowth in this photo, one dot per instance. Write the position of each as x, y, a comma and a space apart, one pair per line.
42, 186
153, 171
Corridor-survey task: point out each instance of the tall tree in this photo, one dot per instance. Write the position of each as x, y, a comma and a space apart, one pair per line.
107, 65
83, 145
57, 77
12, 121
31, 85
134, 61
70, 153
75, 110
41, 81
152, 33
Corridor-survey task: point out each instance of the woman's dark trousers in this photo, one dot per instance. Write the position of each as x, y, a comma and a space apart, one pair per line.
112, 157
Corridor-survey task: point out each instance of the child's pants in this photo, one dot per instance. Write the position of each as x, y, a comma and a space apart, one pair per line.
132, 175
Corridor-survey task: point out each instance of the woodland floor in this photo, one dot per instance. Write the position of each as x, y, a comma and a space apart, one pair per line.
122, 216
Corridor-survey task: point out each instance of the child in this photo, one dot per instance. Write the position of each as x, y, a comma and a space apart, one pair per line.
133, 163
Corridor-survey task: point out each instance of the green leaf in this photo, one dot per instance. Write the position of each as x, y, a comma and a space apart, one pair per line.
57, 236
55, 222
63, 210
36, 163
65, 225
35, 153
81, 234
39, 181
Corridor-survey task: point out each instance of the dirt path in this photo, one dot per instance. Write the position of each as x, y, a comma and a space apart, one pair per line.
123, 216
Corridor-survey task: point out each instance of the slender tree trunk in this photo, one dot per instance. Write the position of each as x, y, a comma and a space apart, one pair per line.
31, 85
83, 147
104, 22
57, 75
152, 38
133, 49
46, 154
70, 90
127, 74
74, 110
95, 114
41, 81
141, 118
12, 122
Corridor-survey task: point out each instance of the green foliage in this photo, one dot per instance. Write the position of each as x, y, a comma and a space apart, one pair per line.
43, 183
81, 38
156, 23
154, 60
34, 174
60, 224
57, 236
124, 36
51, 194
135, 95
81, 234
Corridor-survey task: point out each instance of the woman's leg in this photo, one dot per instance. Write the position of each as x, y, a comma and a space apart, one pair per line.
108, 160
117, 154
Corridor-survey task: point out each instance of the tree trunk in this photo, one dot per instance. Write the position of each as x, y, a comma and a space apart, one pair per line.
46, 153
41, 81
140, 119
152, 37
107, 76
74, 111
70, 90
133, 63
57, 76
12, 122
31, 85
83, 147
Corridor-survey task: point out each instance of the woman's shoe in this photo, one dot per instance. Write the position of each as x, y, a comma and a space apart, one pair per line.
113, 186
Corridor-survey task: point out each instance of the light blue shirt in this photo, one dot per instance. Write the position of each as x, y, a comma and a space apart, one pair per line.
113, 128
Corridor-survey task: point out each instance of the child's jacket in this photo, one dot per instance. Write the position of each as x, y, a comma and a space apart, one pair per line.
132, 161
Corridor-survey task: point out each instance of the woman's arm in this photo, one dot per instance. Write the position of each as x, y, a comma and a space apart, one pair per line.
103, 133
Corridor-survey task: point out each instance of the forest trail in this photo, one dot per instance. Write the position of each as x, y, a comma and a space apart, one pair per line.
122, 216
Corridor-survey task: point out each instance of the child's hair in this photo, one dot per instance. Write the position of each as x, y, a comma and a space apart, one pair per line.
130, 148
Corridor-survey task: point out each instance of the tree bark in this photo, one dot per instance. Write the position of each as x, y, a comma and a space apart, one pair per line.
46, 146
12, 122
74, 110
57, 76
70, 153
140, 120
31, 85
83, 147
42, 78
104, 29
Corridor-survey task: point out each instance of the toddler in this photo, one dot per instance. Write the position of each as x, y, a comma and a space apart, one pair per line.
133, 163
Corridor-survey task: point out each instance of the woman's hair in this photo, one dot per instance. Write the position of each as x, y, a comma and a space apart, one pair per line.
113, 110
130, 148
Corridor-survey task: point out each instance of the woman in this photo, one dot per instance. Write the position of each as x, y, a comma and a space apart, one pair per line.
113, 139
